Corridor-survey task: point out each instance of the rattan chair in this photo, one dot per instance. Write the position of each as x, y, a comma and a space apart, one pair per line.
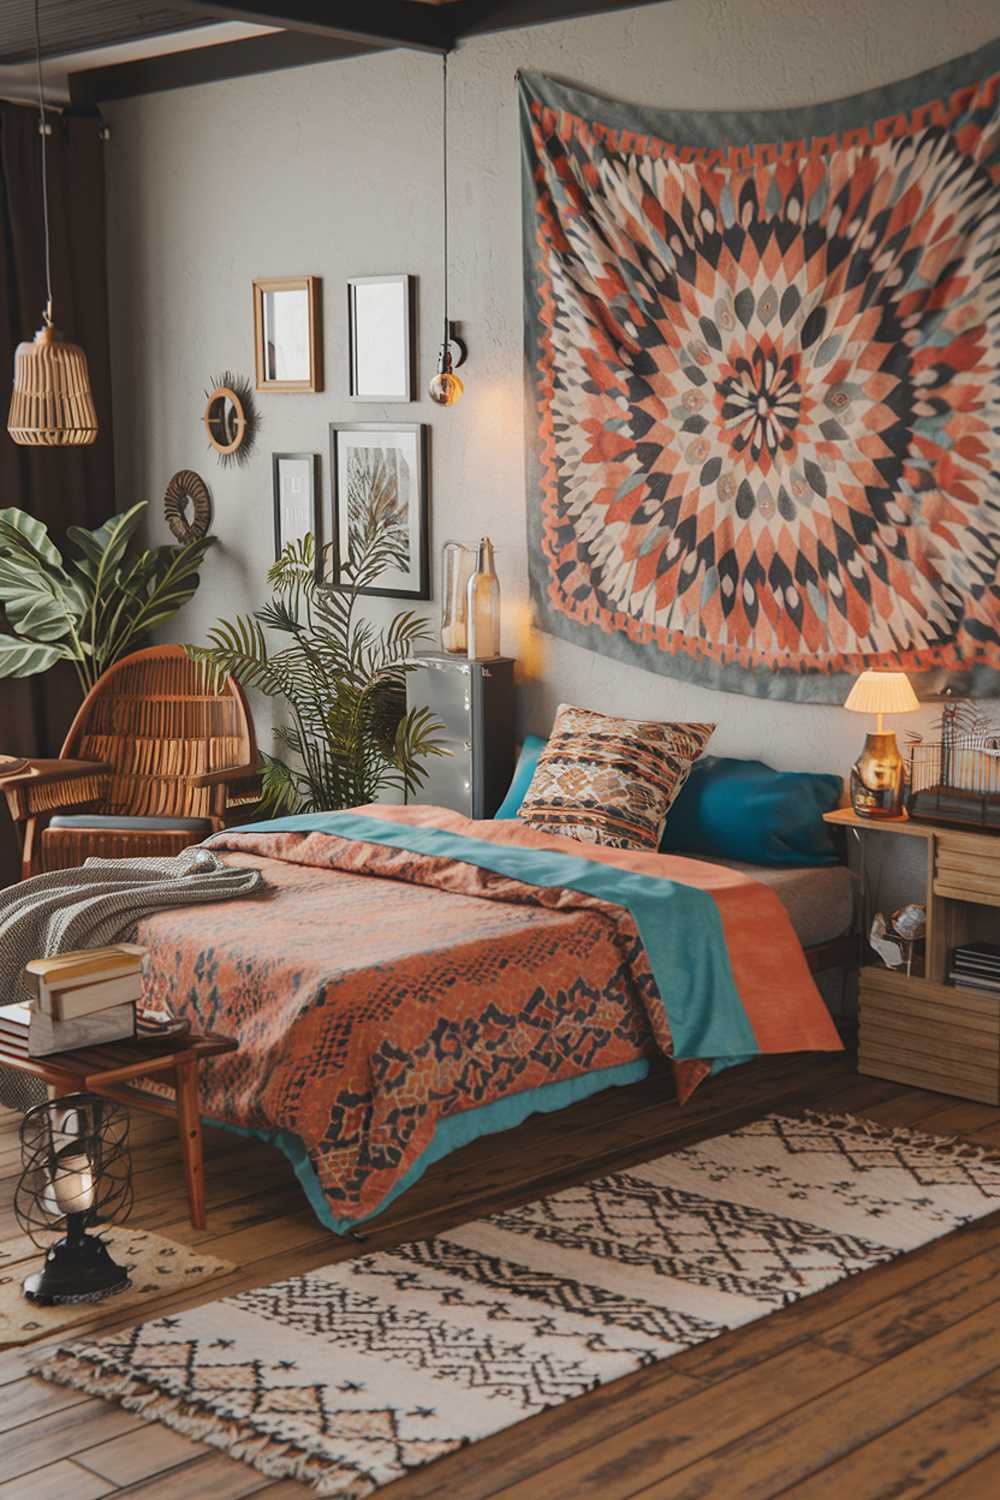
156, 759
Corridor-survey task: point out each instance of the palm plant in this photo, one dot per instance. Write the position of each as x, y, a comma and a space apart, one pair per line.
91, 609
351, 737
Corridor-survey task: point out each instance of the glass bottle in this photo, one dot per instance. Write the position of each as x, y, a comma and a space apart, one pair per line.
457, 563
484, 606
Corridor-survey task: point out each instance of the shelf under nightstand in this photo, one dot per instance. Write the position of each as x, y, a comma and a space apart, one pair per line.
921, 1030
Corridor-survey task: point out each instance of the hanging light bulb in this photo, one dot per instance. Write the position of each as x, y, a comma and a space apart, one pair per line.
52, 405
445, 387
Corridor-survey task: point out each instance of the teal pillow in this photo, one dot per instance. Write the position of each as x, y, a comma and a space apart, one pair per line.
744, 810
523, 772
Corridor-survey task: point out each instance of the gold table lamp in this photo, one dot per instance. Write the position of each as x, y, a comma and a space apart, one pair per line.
877, 774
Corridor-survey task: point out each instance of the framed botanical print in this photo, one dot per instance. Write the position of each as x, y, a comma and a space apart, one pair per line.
381, 338
296, 489
378, 471
288, 334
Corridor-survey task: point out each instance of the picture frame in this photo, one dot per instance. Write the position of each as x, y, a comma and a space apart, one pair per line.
288, 334
381, 338
295, 482
387, 461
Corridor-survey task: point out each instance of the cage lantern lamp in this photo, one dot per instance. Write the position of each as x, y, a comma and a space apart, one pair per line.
77, 1174
877, 774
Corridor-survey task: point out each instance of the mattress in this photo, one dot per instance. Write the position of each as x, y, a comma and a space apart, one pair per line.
819, 901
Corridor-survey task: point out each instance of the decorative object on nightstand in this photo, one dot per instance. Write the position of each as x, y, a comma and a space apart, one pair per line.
458, 563
877, 774
935, 1030
474, 700
77, 1174
957, 778
483, 612
896, 939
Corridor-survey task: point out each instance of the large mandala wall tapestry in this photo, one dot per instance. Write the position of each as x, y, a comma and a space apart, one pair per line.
764, 358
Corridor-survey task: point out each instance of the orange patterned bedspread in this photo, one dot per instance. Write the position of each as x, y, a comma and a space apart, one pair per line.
375, 992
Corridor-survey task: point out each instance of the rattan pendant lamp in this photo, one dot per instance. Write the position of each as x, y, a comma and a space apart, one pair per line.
52, 405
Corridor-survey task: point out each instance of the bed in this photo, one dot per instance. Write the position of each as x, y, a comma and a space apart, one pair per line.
410, 980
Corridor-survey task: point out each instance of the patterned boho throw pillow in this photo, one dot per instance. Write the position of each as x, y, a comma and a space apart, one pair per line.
610, 781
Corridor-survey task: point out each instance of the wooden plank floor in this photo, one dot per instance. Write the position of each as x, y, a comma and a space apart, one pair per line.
885, 1385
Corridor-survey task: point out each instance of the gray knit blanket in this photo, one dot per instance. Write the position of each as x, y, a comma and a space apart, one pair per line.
102, 901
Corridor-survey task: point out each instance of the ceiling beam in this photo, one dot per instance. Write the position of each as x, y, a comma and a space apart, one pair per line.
375, 23
223, 60
479, 17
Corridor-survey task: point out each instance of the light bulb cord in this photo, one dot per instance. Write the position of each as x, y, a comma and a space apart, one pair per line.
45, 173
444, 139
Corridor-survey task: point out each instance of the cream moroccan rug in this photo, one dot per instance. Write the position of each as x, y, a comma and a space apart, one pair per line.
349, 1376
157, 1267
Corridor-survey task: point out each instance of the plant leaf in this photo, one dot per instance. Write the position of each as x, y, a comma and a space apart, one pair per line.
27, 658
23, 533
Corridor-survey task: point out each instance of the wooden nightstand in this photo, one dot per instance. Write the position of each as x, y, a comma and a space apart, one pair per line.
922, 1030
113, 1068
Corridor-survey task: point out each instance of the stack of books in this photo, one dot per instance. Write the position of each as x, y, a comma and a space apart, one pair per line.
82, 998
976, 966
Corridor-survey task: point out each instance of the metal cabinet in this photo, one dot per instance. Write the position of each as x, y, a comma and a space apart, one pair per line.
475, 702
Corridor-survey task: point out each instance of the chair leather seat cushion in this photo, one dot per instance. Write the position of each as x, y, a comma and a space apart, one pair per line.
123, 824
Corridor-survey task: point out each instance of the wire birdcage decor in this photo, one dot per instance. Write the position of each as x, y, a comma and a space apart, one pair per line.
956, 778
76, 1176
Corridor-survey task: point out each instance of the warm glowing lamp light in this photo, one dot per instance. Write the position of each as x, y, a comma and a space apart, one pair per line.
877, 774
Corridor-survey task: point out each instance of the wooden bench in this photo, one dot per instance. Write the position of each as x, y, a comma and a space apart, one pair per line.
110, 1069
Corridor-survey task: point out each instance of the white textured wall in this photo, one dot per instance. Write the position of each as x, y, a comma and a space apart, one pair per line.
335, 170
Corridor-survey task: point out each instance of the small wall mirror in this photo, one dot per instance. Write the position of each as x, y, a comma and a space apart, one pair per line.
231, 418
381, 332
225, 420
287, 334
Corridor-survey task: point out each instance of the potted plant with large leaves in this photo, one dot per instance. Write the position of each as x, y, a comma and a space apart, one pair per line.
91, 609
350, 737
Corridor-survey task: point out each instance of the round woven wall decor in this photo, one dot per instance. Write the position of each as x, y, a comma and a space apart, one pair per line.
187, 490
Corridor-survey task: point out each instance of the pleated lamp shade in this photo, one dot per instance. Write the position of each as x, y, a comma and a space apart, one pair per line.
52, 405
882, 693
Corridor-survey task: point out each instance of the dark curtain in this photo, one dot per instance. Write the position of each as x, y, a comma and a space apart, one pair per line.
61, 486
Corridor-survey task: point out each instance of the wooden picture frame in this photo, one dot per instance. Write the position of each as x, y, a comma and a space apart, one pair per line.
291, 509
288, 334
382, 461
381, 334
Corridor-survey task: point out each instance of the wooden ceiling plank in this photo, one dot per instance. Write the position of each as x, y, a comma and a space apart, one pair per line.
376, 23
480, 17
91, 87
68, 27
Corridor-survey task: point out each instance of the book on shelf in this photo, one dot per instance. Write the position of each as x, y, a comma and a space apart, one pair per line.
83, 966
968, 982
46, 1035
84, 1000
